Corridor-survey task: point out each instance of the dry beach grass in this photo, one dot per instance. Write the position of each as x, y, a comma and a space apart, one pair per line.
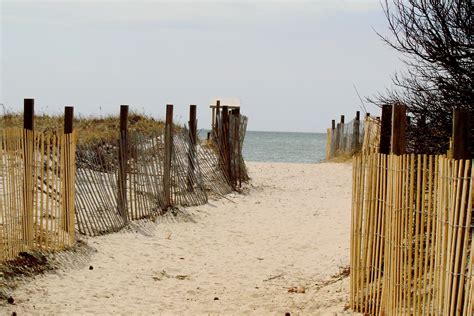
254, 253
89, 129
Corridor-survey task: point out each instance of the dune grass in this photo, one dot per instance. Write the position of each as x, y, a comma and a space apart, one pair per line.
89, 129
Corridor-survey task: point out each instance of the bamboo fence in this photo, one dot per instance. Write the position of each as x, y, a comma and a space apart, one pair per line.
37, 175
412, 235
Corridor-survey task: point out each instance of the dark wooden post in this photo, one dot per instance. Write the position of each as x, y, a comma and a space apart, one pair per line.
399, 126
28, 114
236, 148
192, 146
168, 156
218, 117
332, 145
213, 110
68, 119
385, 129
192, 124
337, 139
225, 142
461, 134
69, 162
342, 137
367, 115
28, 196
123, 164
356, 134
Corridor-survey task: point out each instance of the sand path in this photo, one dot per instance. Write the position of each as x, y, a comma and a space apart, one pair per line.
235, 256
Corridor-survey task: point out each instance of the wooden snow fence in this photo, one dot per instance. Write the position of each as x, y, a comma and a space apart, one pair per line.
345, 139
138, 176
371, 138
412, 235
229, 135
37, 173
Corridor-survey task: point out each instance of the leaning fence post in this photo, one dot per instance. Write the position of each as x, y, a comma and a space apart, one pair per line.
399, 125
385, 129
461, 131
168, 156
192, 145
69, 169
123, 163
28, 136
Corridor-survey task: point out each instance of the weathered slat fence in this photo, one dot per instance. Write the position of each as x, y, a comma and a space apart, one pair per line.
165, 168
48, 187
345, 139
412, 231
37, 174
229, 134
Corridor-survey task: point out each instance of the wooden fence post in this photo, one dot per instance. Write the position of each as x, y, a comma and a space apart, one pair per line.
461, 131
123, 164
225, 142
342, 137
168, 156
28, 196
399, 125
356, 134
192, 146
337, 139
68, 119
193, 124
237, 152
385, 129
332, 145
218, 117
28, 114
69, 169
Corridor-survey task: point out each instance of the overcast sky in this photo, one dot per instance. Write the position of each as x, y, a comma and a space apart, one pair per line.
293, 64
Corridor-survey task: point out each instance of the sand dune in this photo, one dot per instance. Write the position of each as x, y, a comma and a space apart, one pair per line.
238, 255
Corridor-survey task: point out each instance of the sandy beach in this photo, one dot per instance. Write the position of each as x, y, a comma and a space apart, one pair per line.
238, 255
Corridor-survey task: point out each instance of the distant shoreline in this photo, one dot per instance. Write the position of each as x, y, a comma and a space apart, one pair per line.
279, 132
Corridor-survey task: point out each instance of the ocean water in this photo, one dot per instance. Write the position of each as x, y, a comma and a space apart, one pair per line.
283, 147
